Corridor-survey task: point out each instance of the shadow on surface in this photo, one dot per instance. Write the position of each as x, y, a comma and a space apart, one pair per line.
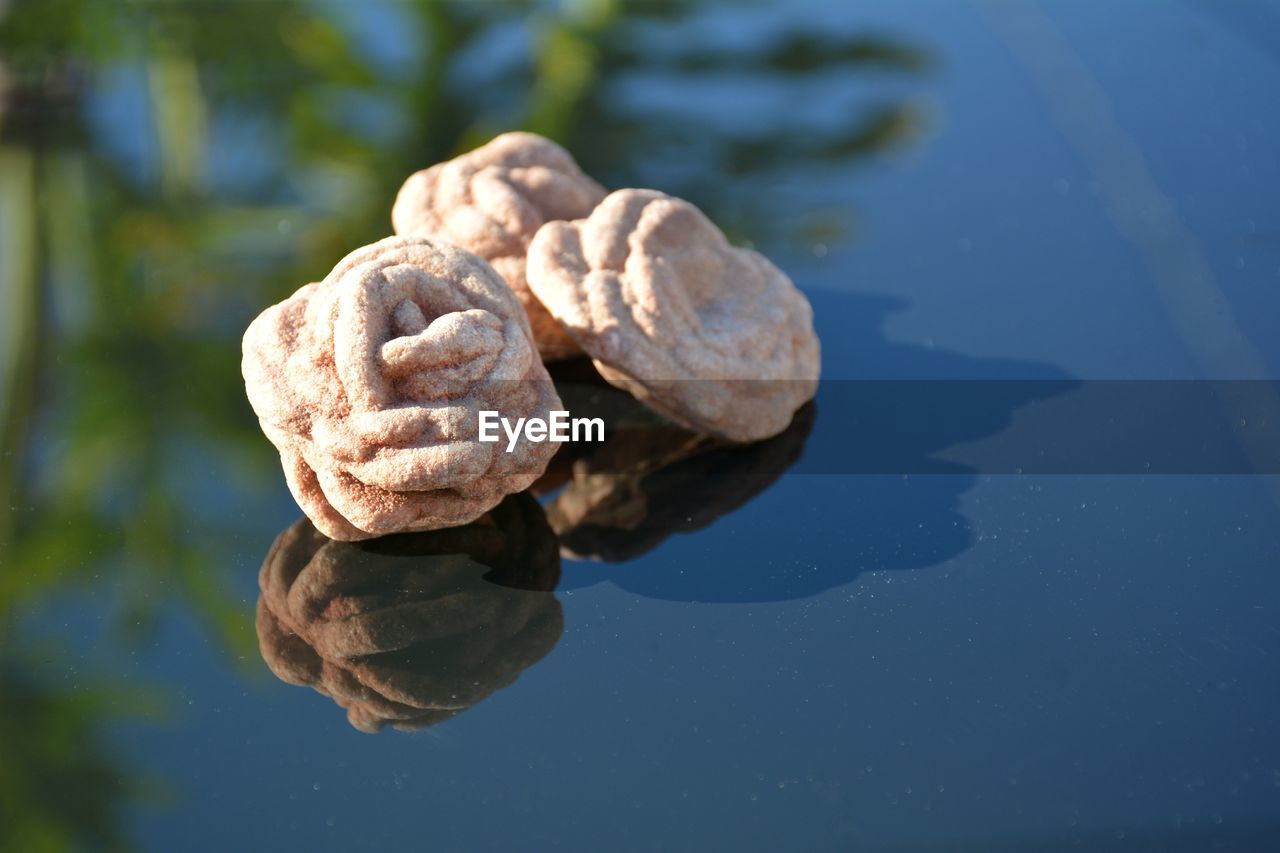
784, 546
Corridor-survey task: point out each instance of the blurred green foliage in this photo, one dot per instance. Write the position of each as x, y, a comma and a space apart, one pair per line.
133, 255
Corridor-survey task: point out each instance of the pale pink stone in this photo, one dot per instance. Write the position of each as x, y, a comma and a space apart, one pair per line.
369, 383
491, 201
715, 337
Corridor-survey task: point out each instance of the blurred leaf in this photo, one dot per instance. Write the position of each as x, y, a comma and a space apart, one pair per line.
812, 52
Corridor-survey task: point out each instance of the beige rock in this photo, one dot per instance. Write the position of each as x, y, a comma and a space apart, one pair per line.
410, 630
491, 201
369, 384
650, 479
715, 337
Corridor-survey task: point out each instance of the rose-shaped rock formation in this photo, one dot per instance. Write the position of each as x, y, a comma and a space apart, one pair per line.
650, 479
370, 382
410, 630
715, 337
491, 201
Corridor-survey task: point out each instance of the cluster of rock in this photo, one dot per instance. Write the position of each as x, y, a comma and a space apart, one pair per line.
370, 382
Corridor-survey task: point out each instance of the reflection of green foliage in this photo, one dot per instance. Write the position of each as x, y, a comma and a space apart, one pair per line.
59, 786
163, 270
125, 290
572, 100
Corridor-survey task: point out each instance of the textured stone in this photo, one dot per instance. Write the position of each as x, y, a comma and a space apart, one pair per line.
715, 337
491, 201
369, 384
410, 630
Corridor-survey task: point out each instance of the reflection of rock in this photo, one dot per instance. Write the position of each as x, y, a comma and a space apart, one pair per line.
411, 629
650, 479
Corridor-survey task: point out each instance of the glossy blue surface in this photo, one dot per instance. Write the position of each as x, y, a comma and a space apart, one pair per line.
924, 662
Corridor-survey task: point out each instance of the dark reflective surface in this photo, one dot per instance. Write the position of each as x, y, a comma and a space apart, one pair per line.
1049, 192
